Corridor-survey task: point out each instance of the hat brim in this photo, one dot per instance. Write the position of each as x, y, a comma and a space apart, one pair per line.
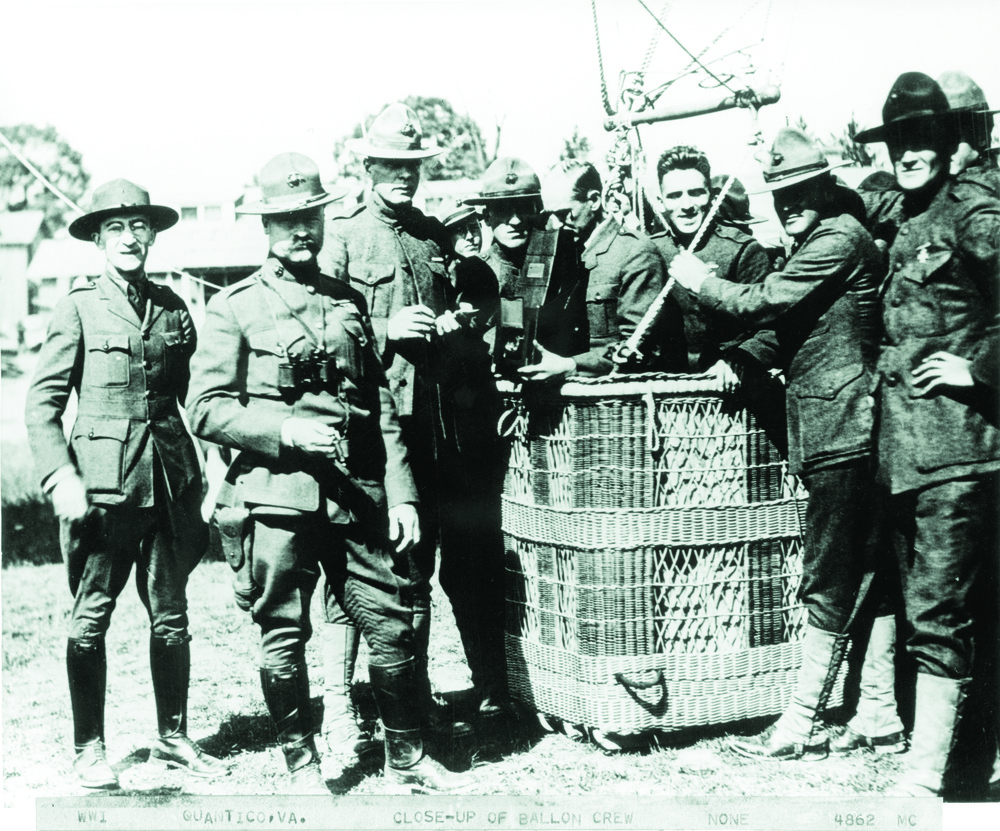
489, 199
262, 208
160, 217
458, 216
362, 147
875, 134
779, 184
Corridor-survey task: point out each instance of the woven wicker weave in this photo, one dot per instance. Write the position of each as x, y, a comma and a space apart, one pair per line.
653, 545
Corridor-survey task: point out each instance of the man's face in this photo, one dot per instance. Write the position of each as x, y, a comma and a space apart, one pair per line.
798, 207
467, 237
395, 180
296, 237
686, 196
568, 209
511, 220
125, 240
916, 161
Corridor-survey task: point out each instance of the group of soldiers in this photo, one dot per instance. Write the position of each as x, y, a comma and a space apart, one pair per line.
355, 375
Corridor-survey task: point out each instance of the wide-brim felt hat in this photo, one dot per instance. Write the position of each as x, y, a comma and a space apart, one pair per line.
915, 99
794, 158
964, 95
290, 182
117, 197
394, 134
736, 206
507, 178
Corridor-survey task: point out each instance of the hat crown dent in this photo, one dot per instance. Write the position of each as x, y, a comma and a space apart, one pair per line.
792, 154
119, 193
396, 128
914, 94
510, 177
290, 177
961, 91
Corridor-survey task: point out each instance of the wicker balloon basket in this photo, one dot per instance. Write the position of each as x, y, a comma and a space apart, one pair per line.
653, 555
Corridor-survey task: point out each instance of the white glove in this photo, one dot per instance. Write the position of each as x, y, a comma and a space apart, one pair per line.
69, 498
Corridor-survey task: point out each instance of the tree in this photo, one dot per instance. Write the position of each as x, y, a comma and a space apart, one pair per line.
53, 157
465, 155
575, 147
849, 148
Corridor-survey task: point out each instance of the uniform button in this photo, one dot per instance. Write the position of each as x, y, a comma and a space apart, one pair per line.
870, 401
892, 379
311, 289
897, 266
895, 302
904, 231
146, 393
147, 365
402, 382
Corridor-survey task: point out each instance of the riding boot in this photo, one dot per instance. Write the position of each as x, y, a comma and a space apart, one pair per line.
876, 725
798, 734
939, 710
286, 692
408, 767
87, 671
341, 725
170, 667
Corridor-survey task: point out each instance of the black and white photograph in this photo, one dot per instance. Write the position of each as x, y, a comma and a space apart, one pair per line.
500, 414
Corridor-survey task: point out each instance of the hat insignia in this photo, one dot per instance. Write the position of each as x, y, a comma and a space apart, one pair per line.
777, 158
295, 180
511, 178
408, 130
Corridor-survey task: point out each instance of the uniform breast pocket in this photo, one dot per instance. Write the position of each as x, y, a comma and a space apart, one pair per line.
374, 281
266, 353
348, 349
99, 446
108, 360
602, 307
174, 345
933, 301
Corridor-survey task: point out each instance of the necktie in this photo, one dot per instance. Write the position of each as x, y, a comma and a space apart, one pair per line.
137, 298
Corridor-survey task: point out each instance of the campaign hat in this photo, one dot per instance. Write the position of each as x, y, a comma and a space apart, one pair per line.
794, 158
507, 178
915, 99
290, 182
116, 197
963, 93
736, 205
394, 134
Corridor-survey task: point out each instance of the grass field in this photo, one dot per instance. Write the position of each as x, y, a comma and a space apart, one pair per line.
228, 717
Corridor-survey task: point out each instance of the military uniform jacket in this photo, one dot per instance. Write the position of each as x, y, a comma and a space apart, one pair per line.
823, 308
562, 320
942, 295
129, 376
625, 273
394, 258
736, 257
236, 401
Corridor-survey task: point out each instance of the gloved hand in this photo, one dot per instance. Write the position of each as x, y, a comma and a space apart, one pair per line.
69, 498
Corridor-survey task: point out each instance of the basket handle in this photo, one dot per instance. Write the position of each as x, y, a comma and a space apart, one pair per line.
634, 685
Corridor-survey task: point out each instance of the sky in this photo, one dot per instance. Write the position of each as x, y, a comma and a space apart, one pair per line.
190, 98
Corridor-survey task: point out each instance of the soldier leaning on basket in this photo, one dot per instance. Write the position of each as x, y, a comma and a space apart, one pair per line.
396, 257
287, 374
823, 308
625, 272
938, 436
511, 199
127, 489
